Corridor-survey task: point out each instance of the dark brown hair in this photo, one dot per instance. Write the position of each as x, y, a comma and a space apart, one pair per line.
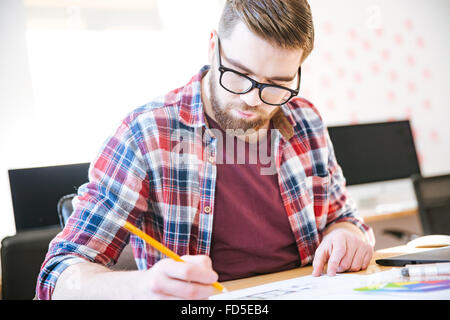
286, 23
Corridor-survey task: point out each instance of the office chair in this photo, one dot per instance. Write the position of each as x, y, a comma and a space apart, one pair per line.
21, 258
433, 197
126, 259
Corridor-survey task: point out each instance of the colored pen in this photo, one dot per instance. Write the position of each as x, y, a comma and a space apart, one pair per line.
160, 247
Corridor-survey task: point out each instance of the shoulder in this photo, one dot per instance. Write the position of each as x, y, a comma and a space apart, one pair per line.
155, 115
165, 106
306, 117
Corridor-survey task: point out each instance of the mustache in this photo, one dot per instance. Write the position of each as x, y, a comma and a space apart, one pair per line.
244, 107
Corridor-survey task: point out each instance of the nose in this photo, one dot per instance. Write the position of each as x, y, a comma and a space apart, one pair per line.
251, 98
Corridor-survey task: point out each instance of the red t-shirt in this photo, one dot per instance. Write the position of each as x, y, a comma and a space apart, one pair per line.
251, 232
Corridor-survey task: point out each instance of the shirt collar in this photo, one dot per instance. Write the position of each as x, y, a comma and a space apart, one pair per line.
191, 108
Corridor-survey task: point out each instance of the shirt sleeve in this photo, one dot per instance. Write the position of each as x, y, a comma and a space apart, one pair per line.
117, 191
341, 207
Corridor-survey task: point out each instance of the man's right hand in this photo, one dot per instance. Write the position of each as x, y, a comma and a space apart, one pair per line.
166, 279
169, 279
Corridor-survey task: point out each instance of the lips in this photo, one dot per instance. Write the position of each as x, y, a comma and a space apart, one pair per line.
245, 114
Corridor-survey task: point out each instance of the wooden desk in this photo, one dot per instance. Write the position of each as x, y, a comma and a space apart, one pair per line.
390, 215
305, 271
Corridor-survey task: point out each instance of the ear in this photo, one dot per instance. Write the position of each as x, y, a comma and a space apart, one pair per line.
212, 45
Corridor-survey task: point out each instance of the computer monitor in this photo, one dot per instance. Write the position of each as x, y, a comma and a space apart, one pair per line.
35, 192
375, 152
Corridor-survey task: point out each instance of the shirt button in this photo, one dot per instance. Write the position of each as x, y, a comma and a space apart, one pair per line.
207, 209
211, 159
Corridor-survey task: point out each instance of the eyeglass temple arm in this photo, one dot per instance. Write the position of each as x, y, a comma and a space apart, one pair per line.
218, 52
299, 79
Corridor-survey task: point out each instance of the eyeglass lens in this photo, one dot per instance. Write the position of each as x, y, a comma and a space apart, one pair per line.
239, 84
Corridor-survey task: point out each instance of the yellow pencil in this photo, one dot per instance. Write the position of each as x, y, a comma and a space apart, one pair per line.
160, 247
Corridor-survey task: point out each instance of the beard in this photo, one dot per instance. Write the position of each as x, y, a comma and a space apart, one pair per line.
223, 111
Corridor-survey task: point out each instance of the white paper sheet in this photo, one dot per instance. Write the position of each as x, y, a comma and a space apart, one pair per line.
340, 287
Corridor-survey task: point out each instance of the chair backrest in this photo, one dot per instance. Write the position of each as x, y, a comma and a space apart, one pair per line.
65, 208
21, 258
433, 197
126, 260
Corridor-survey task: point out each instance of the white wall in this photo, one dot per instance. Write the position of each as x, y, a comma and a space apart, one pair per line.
381, 60
374, 60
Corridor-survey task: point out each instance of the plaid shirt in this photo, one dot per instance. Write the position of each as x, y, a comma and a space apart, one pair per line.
162, 181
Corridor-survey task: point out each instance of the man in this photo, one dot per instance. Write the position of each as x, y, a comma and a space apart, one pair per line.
168, 170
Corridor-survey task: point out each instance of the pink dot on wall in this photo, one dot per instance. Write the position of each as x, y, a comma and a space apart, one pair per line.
385, 54
351, 53
327, 56
398, 39
328, 27
375, 68
325, 82
357, 77
352, 34
366, 44
408, 24
408, 112
393, 75
427, 74
340, 72
411, 61
330, 104
411, 86
351, 95
420, 42
427, 104
434, 134
390, 95
379, 32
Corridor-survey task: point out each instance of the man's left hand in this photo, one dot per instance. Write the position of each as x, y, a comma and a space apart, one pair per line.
344, 250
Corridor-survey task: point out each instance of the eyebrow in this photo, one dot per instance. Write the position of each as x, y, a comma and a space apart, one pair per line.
240, 66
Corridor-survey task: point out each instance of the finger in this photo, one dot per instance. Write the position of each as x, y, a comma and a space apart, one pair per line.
358, 259
189, 271
338, 252
347, 260
320, 258
171, 288
367, 258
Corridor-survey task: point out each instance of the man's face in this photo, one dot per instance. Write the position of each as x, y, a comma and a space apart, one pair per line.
260, 60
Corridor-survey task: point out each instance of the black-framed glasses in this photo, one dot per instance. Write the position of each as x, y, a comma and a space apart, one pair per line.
238, 83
